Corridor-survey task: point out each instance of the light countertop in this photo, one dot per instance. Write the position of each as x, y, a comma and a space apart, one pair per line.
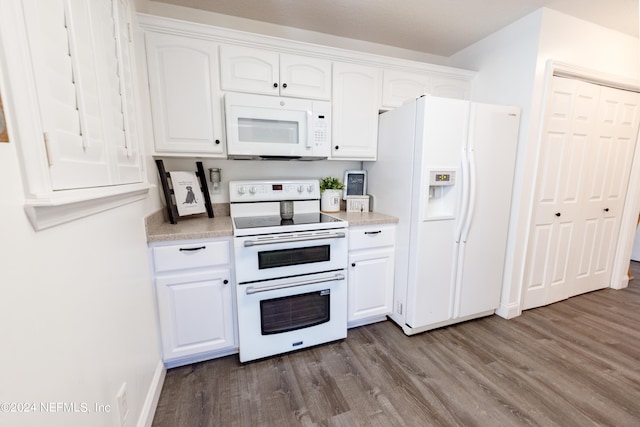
364, 218
203, 227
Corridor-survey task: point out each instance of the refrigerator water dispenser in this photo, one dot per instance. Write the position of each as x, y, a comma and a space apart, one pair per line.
442, 198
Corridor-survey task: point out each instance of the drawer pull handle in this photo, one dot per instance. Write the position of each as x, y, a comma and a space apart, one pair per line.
193, 249
373, 232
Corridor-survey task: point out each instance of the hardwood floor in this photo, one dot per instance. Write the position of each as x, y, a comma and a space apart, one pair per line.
573, 363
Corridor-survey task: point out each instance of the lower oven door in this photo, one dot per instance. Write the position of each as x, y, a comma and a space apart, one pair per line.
277, 316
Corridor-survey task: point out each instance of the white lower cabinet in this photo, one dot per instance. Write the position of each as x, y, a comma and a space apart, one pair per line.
194, 290
371, 273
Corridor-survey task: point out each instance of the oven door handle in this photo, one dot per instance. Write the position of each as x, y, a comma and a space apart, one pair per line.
249, 243
251, 290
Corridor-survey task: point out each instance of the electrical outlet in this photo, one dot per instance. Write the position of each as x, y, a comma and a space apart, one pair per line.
123, 406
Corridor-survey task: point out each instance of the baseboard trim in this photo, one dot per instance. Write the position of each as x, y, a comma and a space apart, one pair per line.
509, 311
153, 396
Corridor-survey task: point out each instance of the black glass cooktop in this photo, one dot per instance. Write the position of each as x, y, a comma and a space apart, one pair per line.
276, 221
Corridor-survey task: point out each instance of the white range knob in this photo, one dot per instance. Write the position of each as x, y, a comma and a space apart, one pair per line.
253, 189
241, 189
300, 188
310, 188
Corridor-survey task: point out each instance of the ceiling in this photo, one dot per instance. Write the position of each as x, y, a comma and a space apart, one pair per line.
439, 27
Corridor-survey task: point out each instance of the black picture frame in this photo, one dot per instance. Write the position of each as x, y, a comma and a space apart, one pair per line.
355, 183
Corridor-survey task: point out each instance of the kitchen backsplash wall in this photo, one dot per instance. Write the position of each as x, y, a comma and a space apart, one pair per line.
260, 169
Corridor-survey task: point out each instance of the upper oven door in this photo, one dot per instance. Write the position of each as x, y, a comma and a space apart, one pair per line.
289, 254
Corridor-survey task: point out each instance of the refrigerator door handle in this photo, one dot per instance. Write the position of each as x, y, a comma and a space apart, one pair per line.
462, 216
471, 197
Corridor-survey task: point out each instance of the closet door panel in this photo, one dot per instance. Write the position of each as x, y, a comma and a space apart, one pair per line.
563, 165
588, 144
612, 149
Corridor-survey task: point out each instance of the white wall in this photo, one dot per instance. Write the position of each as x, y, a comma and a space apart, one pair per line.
261, 169
77, 312
511, 69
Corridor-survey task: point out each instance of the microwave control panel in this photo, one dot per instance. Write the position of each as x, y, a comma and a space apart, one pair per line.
321, 127
321, 130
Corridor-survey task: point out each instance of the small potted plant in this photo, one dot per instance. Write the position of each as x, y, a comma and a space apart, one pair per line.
330, 194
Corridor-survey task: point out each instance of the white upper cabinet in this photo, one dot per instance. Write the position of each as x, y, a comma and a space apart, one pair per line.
82, 64
249, 70
69, 79
186, 102
304, 77
450, 87
400, 86
358, 85
266, 72
355, 106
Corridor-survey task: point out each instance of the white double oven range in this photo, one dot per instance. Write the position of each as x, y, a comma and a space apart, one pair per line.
290, 263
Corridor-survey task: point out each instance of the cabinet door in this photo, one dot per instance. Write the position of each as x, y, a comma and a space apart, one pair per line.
450, 88
195, 312
125, 124
370, 283
244, 69
304, 77
401, 86
356, 103
83, 74
186, 104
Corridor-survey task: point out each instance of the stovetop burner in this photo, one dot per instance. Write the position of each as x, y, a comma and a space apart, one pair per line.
242, 223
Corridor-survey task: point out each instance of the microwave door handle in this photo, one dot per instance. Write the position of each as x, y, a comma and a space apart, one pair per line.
251, 290
310, 130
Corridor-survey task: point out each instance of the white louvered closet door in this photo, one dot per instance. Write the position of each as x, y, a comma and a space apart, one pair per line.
74, 48
586, 153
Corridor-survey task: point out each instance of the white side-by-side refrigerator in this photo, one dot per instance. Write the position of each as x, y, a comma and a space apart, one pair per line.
445, 168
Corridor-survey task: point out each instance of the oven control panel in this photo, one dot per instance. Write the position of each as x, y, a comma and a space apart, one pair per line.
274, 190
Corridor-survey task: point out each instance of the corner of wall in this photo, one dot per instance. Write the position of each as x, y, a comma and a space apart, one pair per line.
153, 396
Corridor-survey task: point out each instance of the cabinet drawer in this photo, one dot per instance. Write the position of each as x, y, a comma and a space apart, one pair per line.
190, 255
372, 236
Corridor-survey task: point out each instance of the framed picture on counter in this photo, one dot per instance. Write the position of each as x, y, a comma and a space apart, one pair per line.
355, 183
189, 197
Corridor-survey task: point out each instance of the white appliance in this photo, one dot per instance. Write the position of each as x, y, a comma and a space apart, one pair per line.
291, 273
445, 169
271, 127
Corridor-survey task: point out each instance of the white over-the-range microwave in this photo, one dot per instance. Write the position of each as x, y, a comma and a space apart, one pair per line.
272, 127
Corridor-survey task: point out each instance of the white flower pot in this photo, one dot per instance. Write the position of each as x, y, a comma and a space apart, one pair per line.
330, 200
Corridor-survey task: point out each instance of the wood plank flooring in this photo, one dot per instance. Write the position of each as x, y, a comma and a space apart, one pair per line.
573, 363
